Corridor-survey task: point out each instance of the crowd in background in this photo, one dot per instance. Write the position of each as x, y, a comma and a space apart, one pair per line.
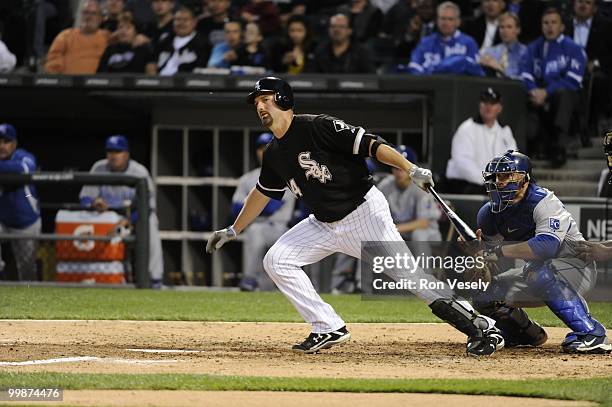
334, 36
560, 49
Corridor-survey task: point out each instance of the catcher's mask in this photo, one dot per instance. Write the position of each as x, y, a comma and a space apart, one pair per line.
504, 177
607, 147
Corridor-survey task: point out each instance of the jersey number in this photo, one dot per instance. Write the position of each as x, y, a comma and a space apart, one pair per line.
293, 186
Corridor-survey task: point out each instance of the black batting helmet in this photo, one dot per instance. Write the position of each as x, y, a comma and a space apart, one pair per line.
283, 95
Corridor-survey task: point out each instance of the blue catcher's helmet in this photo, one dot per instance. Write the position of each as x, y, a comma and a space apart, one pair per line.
407, 152
263, 139
504, 176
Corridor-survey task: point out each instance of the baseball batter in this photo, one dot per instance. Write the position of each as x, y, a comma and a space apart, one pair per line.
521, 211
322, 161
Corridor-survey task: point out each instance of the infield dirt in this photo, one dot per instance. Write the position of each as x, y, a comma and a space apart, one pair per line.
263, 349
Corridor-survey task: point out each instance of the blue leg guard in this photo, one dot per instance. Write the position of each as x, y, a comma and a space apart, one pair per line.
562, 299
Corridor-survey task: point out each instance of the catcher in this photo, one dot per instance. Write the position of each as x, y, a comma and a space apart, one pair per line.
528, 222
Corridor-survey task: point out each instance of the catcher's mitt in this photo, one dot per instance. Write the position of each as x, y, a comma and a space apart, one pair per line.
484, 273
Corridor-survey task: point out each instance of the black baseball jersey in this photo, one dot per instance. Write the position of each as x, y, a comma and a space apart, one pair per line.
321, 159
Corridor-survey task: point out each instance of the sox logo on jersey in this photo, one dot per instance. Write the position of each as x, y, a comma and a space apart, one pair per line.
313, 168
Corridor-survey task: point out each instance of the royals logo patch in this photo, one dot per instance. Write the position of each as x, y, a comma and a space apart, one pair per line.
554, 224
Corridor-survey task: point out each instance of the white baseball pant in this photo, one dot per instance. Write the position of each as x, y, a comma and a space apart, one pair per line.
311, 240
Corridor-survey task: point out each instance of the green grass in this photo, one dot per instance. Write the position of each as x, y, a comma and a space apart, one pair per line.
569, 389
99, 303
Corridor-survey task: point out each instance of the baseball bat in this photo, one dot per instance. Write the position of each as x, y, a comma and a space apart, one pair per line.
462, 228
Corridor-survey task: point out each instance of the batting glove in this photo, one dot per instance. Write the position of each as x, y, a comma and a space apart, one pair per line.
219, 238
421, 177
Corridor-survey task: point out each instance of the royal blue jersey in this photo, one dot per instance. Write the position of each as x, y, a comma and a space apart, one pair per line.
553, 65
540, 215
18, 203
435, 55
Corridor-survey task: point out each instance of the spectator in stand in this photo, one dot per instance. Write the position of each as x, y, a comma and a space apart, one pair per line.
366, 19
7, 59
529, 13
224, 54
552, 72
251, 52
448, 50
476, 141
212, 26
111, 15
594, 34
339, 54
183, 52
19, 209
484, 28
125, 56
295, 48
114, 197
78, 50
505, 59
265, 13
406, 26
164, 26
142, 10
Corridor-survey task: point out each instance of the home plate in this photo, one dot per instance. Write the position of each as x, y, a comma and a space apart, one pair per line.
164, 351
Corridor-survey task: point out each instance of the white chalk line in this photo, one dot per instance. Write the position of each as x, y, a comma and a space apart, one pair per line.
86, 359
131, 321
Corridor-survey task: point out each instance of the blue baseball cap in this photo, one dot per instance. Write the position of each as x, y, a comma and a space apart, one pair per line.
8, 132
117, 142
264, 138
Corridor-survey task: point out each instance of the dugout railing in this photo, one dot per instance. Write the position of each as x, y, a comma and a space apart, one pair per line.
140, 239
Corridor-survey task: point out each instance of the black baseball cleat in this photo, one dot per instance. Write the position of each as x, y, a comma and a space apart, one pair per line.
585, 343
315, 342
485, 344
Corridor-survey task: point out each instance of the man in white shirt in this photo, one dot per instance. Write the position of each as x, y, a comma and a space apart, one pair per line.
475, 143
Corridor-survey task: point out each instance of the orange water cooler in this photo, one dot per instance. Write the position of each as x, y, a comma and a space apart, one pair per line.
89, 260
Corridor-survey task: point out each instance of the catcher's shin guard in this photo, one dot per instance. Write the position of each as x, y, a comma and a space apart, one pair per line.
564, 301
483, 337
514, 323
